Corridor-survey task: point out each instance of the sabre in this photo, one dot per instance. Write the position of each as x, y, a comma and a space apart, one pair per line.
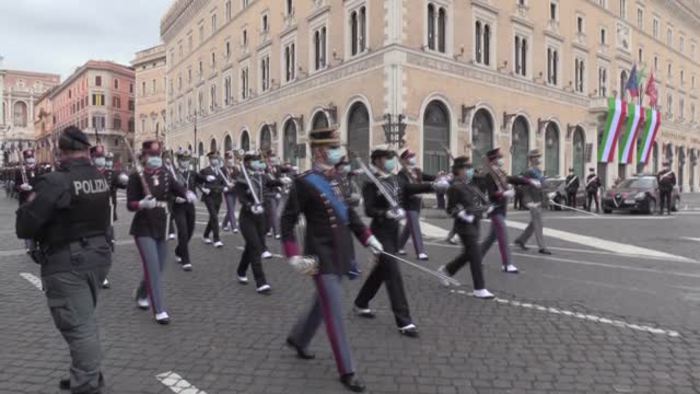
377, 183
139, 169
250, 184
571, 208
436, 274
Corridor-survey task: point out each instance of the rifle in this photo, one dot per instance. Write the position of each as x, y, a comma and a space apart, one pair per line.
139, 169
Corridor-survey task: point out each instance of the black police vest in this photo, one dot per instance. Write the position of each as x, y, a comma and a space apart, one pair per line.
88, 212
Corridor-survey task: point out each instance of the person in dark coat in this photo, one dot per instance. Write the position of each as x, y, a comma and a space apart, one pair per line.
466, 205
408, 174
330, 225
25, 180
213, 186
592, 186
571, 186
183, 209
666, 179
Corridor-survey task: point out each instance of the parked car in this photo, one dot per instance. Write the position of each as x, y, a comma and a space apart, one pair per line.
555, 189
639, 193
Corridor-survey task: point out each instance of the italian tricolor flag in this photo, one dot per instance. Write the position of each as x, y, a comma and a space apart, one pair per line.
617, 110
647, 136
634, 117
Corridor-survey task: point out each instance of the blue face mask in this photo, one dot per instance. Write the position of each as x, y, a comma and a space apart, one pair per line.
258, 165
100, 162
470, 173
109, 164
335, 155
154, 162
347, 168
390, 165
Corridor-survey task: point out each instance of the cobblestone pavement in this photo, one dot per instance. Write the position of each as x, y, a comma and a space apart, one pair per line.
225, 338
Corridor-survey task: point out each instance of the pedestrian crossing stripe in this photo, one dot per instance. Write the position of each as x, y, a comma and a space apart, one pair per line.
178, 384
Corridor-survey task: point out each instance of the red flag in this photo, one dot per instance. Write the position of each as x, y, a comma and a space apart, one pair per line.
652, 92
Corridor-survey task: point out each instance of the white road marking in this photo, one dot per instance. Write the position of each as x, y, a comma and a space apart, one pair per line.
582, 316
610, 217
178, 384
598, 243
691, 239
31, 278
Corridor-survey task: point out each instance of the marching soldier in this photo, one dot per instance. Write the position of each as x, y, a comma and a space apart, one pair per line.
184, 210
330, 224
116, 176
25, 178
497, 184
466, 204
571, 187
273, 196
667, 181
412, 204
532, 197
68, 216
385, 217
213, 186
148, 194
592, 186
343, 176
230, 172
250, 189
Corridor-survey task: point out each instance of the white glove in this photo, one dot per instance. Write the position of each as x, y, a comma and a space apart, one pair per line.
286, 180
305, 265
490, 209
191, 197
211, 178
536, 183
257, 209
278, 196
396, 214
25, 187
180, 200
226, 189
465, 217
123, 179
441, 185
374, 244
510, 193
532, 205
206, 191
148, 203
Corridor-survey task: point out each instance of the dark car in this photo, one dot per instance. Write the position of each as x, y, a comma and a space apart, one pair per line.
555, 190
637, 194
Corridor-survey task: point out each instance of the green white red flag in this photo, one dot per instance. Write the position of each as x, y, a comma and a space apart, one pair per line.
617, 110
626, 151
647, 135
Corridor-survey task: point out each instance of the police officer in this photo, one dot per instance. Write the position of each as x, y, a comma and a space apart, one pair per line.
212, 185
592, 186
571, 187
667, 180
466, 204
230, 172
68, 215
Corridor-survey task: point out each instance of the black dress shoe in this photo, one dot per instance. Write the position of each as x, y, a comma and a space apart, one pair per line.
521, 244
352, 383
64, 384
545, 251
301, 353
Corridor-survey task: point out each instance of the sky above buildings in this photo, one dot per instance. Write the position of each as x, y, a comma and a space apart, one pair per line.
57, 36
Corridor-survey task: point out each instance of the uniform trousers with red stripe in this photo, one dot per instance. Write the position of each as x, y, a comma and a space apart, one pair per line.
327, 307
153, 256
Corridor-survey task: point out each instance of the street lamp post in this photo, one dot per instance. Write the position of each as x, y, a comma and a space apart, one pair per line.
395, 130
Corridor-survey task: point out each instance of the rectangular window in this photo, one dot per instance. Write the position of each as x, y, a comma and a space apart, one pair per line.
521, 49
579, 24
623, 9
640, 18
358, 31
117, 123
553, 11
552, 66
228, 10
153, 86
131, 105
602, 82
265, 74
116, 83
213, 24
655, 28
244, 83
228, 49
289, 62
319, 41
98, 81
603, 36
579, 75
143, 88
264, 23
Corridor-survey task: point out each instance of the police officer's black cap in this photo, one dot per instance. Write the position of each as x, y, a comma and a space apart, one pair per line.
381, 152
73, 139
461, 162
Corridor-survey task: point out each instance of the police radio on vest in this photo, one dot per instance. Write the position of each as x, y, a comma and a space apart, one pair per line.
91, 186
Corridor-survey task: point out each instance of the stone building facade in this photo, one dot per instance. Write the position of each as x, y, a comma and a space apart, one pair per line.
462, 76
98, 98
149, 70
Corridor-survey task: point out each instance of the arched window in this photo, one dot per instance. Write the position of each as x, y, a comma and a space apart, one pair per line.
579, 161
290, 142
212, 145
245, 140
358, 130
436, 137
358, 31
20, 114
478, 48
320, 121
228, 143
520, 144
482, 135
551, 153
265, 139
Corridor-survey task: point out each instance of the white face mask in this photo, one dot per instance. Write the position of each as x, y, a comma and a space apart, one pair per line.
100, 162
501, 162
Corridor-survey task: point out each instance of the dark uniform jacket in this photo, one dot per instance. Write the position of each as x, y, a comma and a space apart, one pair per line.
412, 202
495, 189
71, 205
216, 186
260, 182
31, 175
531, 193
231, 174
572, 184
152, 222
330, 223
376, 207
666, 179
347, 188
592, 183
463, 196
